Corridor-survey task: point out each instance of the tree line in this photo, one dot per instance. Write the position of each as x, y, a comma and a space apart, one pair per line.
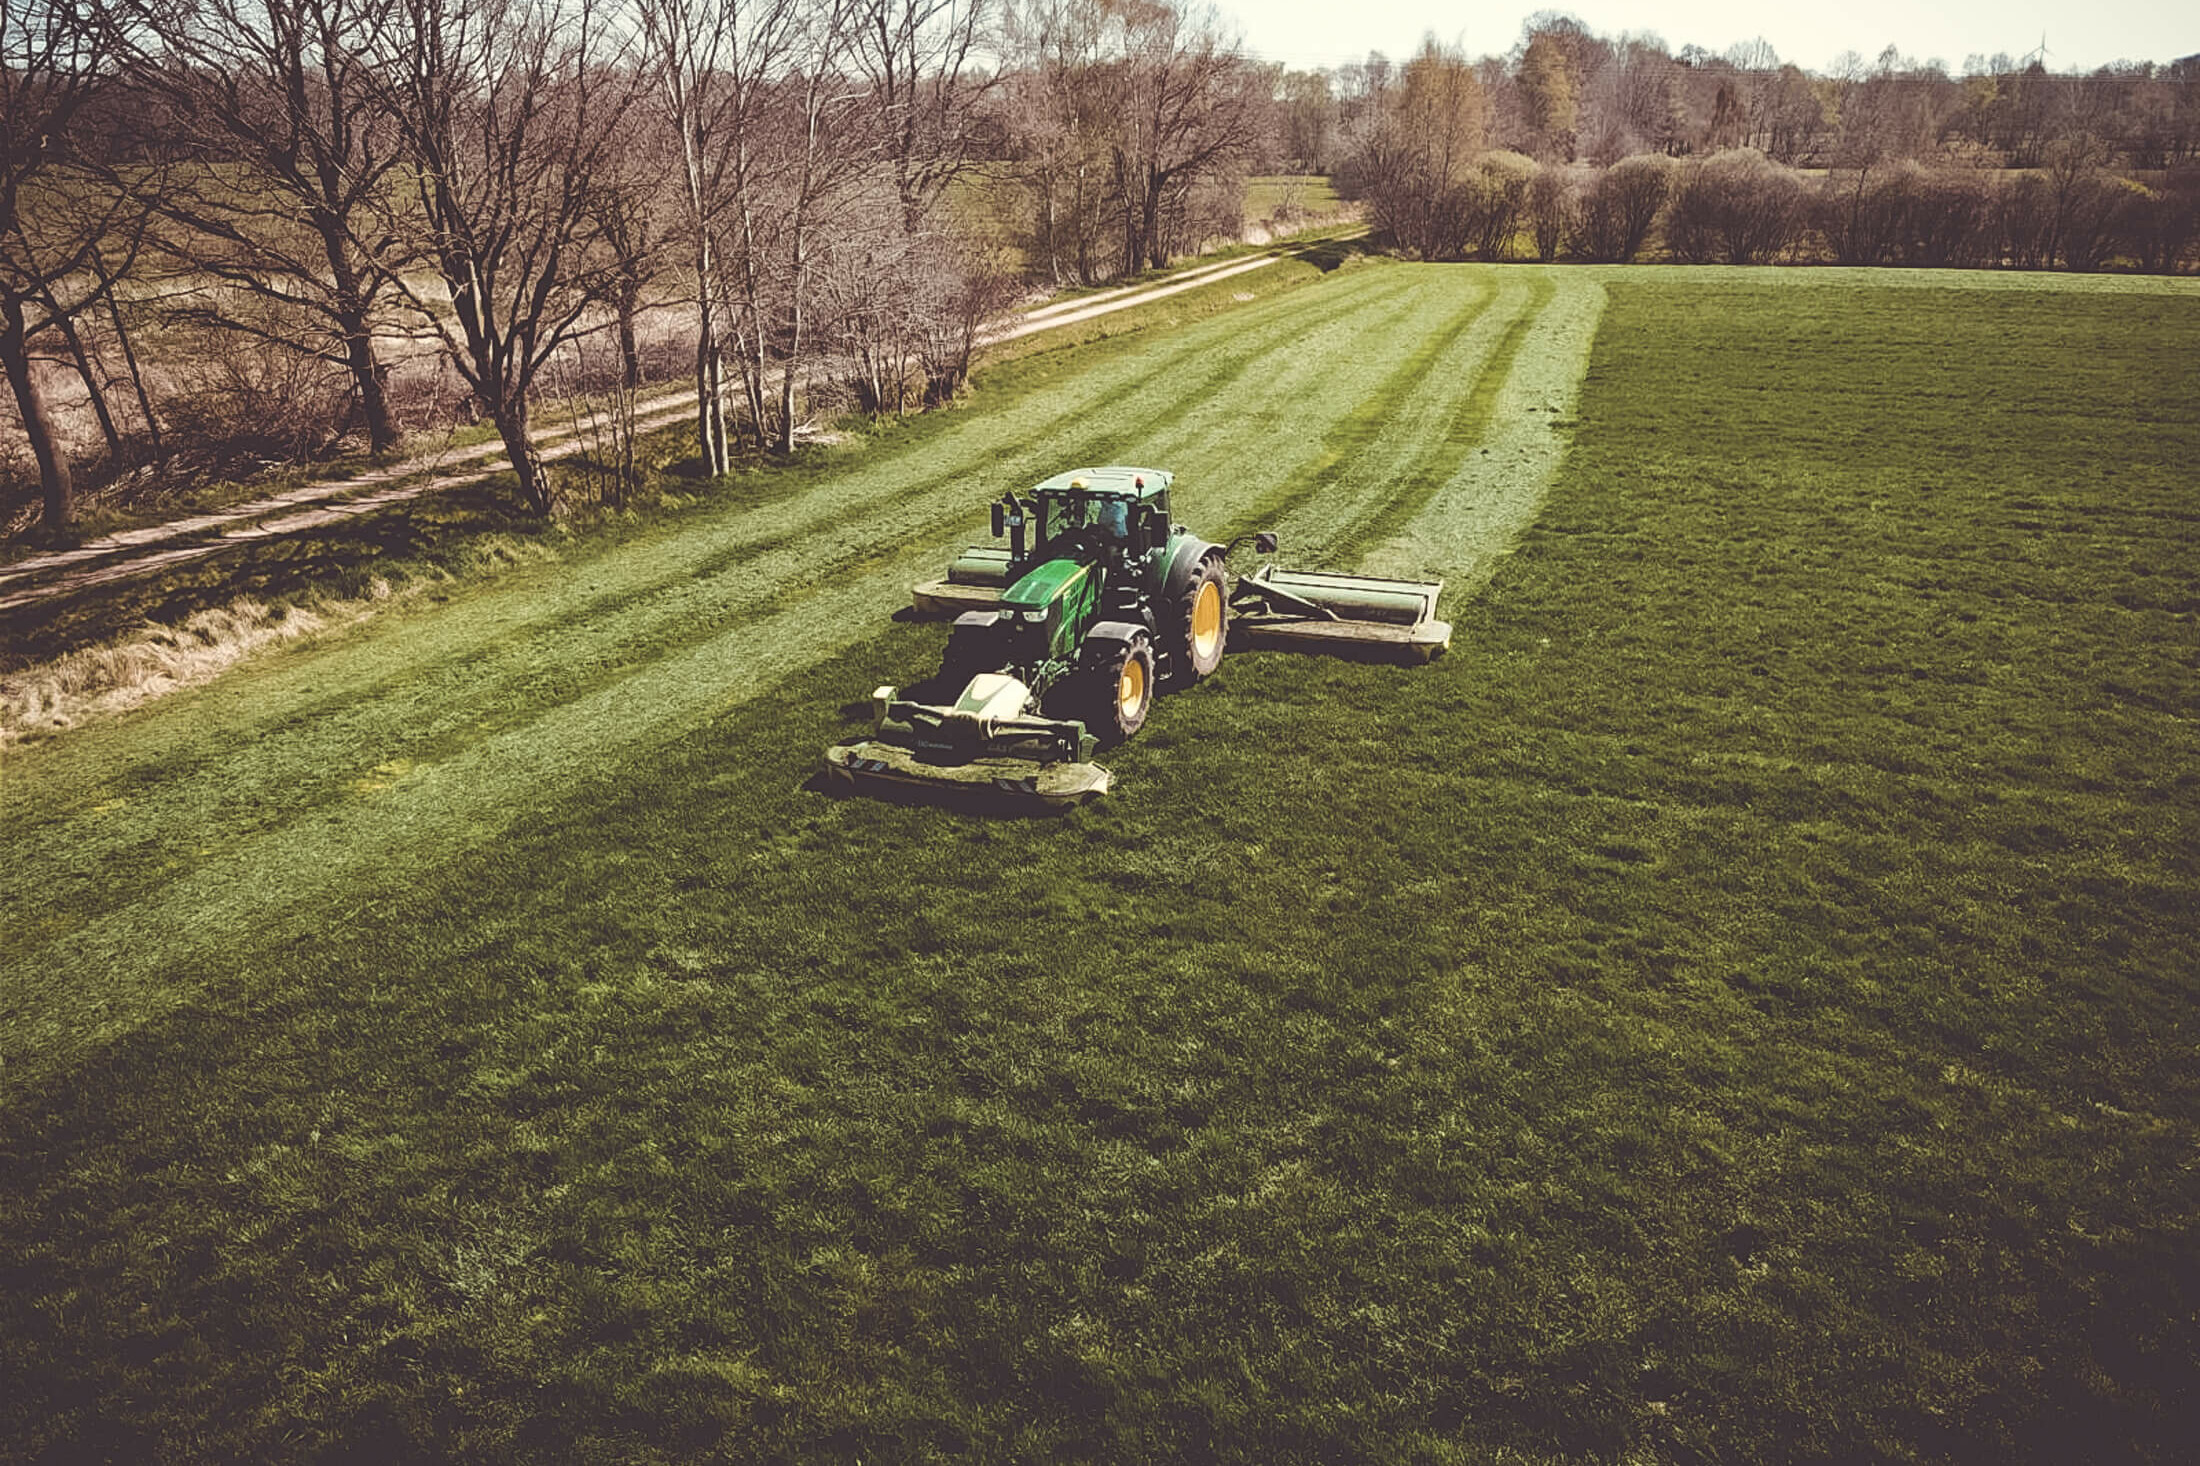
1565, 94
1887, 160
240, 217
1586, 147
502, 180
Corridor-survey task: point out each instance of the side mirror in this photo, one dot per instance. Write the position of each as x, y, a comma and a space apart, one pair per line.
1000, 520
1264, 543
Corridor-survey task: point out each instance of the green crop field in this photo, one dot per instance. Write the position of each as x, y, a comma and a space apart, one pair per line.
1738, 1005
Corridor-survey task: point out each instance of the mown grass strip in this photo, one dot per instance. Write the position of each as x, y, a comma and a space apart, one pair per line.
528, 688
1437, 460
1360, 427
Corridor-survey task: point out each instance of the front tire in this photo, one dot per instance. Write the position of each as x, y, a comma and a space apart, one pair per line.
1116, 690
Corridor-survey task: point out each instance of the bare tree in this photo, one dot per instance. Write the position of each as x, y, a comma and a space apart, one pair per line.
1415, 159
1058, 105
811, 153
625, 212
717, 60
1188, 109
1632, 105
510, 110
272, 102
54, 210
2084, 201
921, 59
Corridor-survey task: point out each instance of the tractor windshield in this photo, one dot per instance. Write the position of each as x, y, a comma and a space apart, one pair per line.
1068, 513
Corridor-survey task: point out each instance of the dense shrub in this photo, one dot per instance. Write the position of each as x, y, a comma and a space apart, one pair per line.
1620, 204
1474, 217
2024, 222
1552, 210
1497, 201
1947, 221
2159, 226
1737, 207
1863, 215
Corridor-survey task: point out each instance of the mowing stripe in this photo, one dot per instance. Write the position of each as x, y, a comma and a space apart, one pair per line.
453, 774
1526, 424
279, 764
1365, 423
923, 492
1322, 524
1433, 465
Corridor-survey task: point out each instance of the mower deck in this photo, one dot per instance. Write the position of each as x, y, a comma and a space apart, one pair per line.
882, 766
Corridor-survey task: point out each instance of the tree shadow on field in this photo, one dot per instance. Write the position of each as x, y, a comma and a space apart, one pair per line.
1329, 254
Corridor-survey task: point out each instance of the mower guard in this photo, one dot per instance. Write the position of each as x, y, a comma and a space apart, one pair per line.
1359, 616
952, 753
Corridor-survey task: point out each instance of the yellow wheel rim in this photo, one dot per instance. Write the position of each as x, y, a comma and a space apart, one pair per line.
1207, 621
1130, 692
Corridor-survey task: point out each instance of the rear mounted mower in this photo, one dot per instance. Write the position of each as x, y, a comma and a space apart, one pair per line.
1063, 636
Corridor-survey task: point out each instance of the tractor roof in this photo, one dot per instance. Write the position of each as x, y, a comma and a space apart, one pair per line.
1140, 483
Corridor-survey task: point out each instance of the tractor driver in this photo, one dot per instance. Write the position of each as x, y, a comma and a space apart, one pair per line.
1115, 519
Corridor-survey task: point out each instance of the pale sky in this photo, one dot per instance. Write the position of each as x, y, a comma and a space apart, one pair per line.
1307, 33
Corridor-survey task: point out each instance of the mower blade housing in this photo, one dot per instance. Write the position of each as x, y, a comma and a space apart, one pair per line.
974, 583
1361, 616
973, 749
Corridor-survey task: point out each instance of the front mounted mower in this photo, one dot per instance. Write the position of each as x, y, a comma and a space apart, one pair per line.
1063, 635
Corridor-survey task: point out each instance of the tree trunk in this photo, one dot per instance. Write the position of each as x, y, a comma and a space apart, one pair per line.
90, 376
630, 351
129, 355
1157, 250
710, 397
366, 377
53, 467
534, 482
359, 357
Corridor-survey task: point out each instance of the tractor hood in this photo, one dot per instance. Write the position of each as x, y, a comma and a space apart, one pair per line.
1043, 586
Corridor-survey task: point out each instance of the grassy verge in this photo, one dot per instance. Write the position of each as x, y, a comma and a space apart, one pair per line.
1736, 1006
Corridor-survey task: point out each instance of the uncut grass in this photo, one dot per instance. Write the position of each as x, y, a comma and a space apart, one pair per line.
1737, 1004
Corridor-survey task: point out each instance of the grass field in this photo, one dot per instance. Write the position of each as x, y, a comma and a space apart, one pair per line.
1737, 1005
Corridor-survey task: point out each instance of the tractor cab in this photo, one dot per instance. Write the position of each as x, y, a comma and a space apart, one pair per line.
1092, 515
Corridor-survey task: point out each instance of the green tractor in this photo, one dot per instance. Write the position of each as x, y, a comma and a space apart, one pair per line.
1062, 637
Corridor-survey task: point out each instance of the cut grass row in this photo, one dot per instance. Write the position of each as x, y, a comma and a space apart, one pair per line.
1737, 1005
446, 724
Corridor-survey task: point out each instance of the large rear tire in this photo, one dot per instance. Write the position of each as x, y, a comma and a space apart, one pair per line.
1115, 691
1202, 621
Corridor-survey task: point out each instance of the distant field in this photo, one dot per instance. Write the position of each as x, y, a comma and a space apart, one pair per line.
1310, 195
1738, 1005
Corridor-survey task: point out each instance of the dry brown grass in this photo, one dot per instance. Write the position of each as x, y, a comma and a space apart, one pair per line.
154, 661
48, 698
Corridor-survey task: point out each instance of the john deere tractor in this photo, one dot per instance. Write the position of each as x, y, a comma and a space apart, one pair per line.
1063, 635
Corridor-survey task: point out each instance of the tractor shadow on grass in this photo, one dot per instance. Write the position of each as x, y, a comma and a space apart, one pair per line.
974, 801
